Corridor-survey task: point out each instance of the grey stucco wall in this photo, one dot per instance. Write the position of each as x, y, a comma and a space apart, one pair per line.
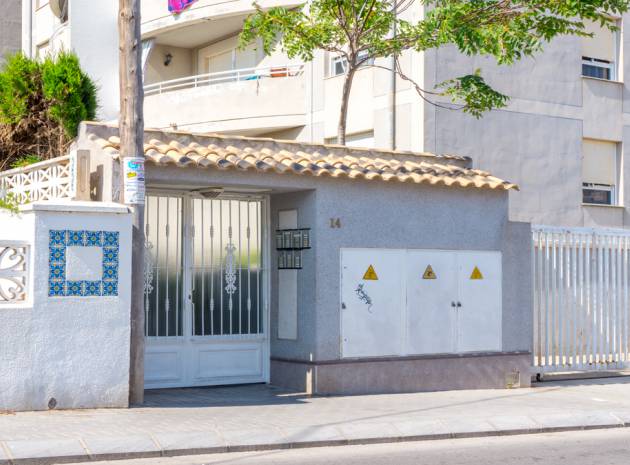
536, 141
376, 214
525, 149
304, 346
398, 216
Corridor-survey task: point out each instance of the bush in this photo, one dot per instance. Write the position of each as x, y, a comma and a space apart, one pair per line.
42, 105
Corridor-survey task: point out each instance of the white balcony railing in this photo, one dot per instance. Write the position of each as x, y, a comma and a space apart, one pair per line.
66, 177
222, 77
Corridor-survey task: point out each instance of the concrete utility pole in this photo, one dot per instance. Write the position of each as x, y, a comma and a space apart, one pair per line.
131, 126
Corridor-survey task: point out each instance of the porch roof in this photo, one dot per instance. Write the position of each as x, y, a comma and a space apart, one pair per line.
185, 149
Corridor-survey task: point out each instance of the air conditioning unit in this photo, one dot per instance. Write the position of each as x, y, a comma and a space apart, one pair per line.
60, 9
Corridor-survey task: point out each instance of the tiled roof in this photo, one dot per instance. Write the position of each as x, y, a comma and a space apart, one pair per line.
182, 149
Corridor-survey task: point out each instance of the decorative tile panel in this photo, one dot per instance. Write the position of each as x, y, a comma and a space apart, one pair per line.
60, 286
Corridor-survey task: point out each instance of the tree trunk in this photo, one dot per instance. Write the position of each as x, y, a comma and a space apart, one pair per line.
131, 127
343, 112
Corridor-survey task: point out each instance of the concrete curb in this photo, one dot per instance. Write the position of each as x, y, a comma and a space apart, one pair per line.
7, 459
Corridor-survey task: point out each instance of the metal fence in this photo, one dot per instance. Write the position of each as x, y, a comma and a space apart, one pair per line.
581, 316
222, 77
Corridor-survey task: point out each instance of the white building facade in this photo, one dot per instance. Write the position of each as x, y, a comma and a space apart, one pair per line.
561, 138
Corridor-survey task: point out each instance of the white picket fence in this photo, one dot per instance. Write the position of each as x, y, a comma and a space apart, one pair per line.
581, 315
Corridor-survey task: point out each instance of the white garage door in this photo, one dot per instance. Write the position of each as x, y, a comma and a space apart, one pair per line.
408, 302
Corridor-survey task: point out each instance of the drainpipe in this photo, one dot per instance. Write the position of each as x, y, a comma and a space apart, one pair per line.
27, 27
312, 97
392, 101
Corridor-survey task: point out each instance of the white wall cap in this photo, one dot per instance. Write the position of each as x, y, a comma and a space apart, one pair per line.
75, 206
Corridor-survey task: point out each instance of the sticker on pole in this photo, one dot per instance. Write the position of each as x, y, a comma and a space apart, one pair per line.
429, 273
133, 176
370, 274
476, 274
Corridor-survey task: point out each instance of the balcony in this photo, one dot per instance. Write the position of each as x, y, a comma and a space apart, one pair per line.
246, 101
156, 19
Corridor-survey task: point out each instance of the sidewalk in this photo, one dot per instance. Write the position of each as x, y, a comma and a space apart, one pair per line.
190, 421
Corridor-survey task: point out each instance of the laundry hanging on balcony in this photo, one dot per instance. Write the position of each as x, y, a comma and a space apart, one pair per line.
177, 6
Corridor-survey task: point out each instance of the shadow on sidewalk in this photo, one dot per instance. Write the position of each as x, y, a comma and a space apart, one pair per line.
221, 396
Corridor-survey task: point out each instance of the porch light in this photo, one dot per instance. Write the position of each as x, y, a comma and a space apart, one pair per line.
167, 59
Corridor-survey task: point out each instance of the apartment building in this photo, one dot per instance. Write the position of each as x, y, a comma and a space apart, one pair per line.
561, 138
10, 28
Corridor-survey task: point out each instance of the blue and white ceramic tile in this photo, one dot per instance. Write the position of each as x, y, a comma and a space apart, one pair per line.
59, 240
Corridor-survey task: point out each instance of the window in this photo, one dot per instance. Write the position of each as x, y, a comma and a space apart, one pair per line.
359, 139
43, 50
339, 64
599, 194
601, 69
599, 53
599, 172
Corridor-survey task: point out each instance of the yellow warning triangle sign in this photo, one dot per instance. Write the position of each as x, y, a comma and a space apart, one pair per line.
429, 273
476, 274
370, 274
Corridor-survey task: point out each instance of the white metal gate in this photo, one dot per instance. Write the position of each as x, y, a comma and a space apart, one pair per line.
580, 299
205, 291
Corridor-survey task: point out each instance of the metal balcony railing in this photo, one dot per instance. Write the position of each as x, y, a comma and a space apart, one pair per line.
222, 77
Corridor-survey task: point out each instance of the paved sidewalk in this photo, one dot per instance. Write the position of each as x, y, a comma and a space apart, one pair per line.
189, 421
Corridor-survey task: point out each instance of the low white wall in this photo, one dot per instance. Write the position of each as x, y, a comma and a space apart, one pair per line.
265, 104
73, 349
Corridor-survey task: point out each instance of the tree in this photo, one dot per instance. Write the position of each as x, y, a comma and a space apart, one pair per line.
41, 106
363, 30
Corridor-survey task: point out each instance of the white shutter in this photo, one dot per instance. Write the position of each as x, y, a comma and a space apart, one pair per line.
599, 162
221, 62
363, 139
602, 45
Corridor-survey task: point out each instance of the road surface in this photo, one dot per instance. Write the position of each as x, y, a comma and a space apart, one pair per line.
595, 447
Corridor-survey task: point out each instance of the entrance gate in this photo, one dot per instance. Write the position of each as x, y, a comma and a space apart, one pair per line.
205, 291
581, 299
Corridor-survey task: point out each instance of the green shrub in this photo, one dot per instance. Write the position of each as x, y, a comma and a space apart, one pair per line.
70, 91
42, 104
19, 85
25, 161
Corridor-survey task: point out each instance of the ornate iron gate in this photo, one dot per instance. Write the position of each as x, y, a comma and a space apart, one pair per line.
204, 282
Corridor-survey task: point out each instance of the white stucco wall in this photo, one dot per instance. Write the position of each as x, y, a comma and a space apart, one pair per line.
71, 349
10, 29
94, 37
265, 104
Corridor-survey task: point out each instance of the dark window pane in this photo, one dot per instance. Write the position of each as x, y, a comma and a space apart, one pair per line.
595, 71
597, 196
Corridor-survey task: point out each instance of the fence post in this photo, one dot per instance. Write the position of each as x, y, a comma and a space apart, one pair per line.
82, 175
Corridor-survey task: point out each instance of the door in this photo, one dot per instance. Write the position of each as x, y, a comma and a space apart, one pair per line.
479, 313
431, 318
204, 292
416, 302
372, 296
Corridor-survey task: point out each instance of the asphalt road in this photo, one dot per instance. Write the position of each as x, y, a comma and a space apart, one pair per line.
595, 447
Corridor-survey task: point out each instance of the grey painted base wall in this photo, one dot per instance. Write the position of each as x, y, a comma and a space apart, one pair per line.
405, 374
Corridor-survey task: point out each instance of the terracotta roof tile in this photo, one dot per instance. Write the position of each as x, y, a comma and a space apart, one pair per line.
248, 153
